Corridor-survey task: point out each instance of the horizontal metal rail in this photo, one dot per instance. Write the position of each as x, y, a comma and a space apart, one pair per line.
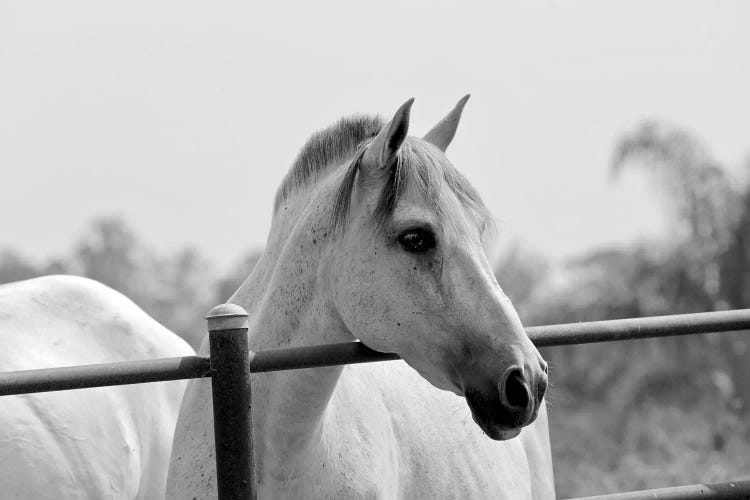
100, 375
156, 370
136, 372
293, 358
542, 336
640, 328
734, 490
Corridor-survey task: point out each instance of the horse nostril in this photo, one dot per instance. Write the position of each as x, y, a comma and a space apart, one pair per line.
515, 391
544, 366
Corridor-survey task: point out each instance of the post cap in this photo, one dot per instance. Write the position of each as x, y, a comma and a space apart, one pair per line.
227, 317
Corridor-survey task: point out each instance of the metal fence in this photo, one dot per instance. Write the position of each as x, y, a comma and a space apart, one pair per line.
231, 363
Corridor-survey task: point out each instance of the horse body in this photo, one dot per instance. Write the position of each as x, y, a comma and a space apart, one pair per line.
99, 443
351, 255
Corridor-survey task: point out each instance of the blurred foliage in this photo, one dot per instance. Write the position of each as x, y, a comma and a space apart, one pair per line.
176, 289
657, 412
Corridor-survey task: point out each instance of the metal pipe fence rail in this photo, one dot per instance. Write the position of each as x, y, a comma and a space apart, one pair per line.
734, 490
231, 363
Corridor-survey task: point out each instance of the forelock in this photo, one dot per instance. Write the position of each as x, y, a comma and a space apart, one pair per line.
420, 166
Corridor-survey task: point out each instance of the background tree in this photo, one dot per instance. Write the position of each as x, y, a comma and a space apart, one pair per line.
110, 253
14, 267
176, 289
703, 203
708, 256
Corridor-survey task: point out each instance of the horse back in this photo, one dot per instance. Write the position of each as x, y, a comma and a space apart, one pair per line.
108, 442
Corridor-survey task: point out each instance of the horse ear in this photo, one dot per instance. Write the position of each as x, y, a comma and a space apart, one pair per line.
442, 134
382, 151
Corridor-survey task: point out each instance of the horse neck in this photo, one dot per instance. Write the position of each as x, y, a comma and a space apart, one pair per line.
285, 296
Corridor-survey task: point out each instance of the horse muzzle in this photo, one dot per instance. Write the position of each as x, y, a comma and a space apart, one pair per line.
502, 410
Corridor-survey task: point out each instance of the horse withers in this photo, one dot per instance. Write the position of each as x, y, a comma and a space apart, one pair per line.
376, 236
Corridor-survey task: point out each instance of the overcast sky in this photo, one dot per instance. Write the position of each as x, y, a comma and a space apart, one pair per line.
184, 116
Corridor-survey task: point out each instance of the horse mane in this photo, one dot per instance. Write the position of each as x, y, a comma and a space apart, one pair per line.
418, 164
326, 148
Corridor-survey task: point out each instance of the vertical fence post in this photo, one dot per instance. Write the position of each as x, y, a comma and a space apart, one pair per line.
230, 382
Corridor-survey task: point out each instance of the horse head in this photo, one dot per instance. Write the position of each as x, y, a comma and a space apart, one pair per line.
407, 273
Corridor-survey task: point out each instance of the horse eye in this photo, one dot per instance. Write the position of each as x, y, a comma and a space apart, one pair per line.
417, 240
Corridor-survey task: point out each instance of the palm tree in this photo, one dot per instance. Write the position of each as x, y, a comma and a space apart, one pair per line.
708, 262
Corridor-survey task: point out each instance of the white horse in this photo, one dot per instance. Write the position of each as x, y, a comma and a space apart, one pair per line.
100, 443
376, 237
